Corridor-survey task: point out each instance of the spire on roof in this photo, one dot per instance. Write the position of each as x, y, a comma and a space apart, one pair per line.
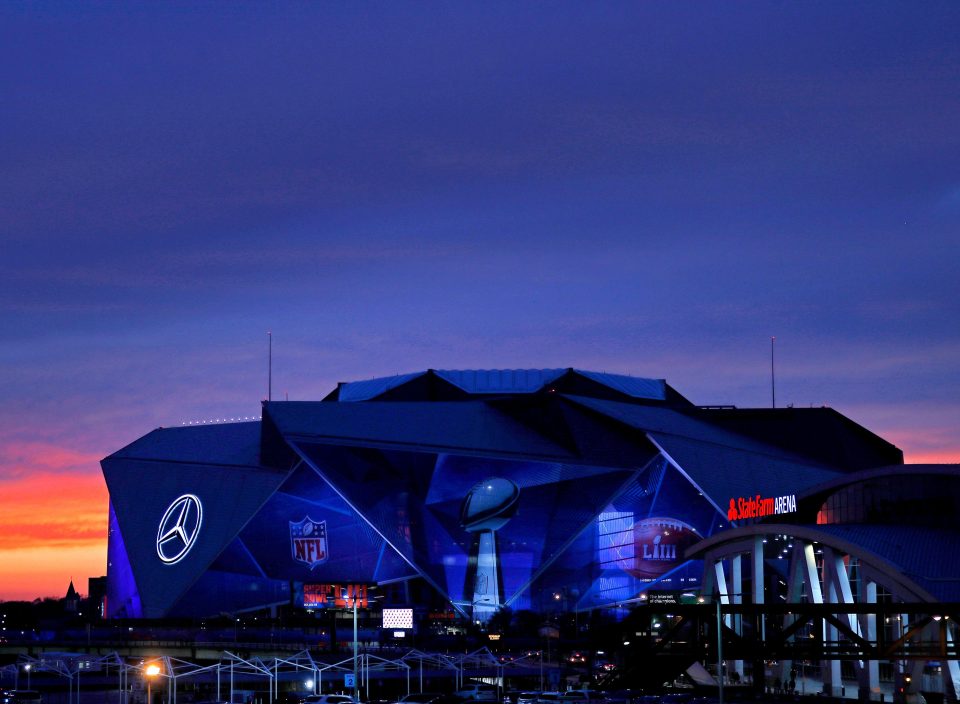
71, 602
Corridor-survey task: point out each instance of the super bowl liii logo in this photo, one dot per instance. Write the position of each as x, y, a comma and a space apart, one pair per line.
308, 542
659, 544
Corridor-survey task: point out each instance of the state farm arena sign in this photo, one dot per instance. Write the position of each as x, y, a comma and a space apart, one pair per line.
760, 507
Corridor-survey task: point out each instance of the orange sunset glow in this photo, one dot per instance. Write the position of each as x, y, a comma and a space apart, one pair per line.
53, 527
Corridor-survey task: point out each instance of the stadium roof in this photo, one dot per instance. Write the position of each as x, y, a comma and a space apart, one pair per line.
460, 384
580, 417
561, 415
236, 444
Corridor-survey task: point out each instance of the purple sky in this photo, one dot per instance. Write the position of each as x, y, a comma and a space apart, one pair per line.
646, 188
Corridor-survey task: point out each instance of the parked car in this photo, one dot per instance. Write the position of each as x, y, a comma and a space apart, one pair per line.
548, 698
582, 696
626, 696
19, 696
478, 692
327, 699
429, 698
528, 697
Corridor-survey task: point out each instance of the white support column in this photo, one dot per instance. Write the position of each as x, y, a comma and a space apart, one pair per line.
872, 667
794, 575
835, 571
758, 580
722, 590
758, 570
951, 671
832, 676
807, 555
843, 584
795, 580
736, 573
721, 580
811, 574
904, 626
736, 569
724, 598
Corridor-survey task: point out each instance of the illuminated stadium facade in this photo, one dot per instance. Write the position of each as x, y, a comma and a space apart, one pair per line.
475, 490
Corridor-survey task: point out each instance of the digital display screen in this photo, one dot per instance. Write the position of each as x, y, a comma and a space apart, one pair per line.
398, 618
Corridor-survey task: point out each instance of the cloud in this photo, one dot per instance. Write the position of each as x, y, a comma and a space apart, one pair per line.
24, 459
53, 508
950, 455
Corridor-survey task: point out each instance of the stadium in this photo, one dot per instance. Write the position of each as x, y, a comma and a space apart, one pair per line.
474, 489
466, 493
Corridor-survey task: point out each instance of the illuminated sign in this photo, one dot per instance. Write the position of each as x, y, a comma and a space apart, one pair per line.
658, 546
340, 596
308, 541
398, 618
759, 507
179, 528
662, 598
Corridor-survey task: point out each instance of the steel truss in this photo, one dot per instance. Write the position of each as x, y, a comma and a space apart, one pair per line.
230, 670
790, 593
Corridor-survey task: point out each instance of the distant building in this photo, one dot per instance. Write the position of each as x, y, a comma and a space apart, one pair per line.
71, 602
96, 597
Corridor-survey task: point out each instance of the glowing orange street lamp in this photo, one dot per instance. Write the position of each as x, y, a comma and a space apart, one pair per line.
151, 671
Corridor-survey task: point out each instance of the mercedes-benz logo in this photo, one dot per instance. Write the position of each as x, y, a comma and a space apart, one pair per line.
179, 528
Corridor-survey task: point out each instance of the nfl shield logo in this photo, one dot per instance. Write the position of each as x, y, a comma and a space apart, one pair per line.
308, 541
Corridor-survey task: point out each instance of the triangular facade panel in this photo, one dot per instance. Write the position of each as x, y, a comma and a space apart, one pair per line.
308, 532
149, 503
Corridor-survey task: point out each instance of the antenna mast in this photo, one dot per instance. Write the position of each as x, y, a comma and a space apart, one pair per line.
773, 384
269, 366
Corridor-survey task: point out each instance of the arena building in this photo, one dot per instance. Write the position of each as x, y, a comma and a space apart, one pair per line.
482, 489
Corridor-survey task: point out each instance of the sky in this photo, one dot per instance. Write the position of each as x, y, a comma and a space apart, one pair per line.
648, 188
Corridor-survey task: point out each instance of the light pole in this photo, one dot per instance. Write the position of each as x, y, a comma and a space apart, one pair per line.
356, 685
541, 669
152, 671
26, 669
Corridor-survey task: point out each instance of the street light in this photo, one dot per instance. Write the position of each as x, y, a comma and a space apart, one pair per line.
151, 671
352, 592
27, 670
